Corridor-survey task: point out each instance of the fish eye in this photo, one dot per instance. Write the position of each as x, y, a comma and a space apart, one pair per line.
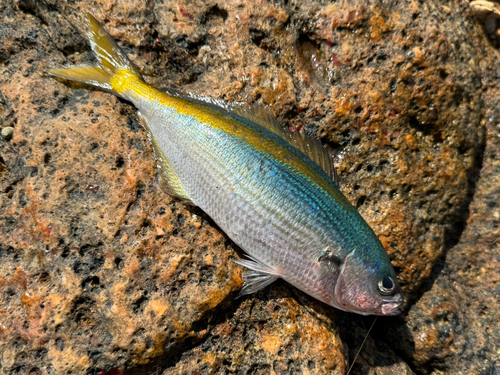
386, 286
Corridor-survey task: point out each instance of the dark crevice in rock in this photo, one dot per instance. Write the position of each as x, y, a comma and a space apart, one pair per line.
213, 15
182, 52
257, 36
309, 54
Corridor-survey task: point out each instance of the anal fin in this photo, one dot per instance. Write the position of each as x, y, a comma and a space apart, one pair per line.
256, 277
167, 178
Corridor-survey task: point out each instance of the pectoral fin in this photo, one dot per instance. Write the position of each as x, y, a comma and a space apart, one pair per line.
329, 263
257, 277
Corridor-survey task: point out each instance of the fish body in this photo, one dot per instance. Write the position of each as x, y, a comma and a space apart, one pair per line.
264, 192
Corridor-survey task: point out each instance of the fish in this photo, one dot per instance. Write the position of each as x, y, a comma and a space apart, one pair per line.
271, 190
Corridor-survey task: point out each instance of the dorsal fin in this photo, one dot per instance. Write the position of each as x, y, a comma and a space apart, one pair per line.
263, 116
309, 145
314, 148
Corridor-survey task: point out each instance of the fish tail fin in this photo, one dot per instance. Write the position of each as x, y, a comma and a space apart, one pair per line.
112, 63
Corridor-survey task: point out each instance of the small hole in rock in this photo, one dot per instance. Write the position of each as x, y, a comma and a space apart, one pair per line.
361, 200
119, 162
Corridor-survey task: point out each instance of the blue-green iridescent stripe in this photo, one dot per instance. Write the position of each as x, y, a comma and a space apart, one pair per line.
308, 199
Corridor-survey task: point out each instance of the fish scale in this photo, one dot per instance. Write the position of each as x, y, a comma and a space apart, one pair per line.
264, 187
285, 199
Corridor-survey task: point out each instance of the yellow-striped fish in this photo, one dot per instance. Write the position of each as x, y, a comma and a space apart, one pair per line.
271, 192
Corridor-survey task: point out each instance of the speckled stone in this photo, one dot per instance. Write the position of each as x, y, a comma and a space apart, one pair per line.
99, 268
103, 273
7, 133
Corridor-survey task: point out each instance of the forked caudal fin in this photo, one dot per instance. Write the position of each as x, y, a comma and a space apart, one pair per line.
111, 61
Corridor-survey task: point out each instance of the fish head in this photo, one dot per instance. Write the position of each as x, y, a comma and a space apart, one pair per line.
367, 283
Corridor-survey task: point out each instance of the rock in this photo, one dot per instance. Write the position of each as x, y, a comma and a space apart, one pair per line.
488, 14
455, 326
279, 335
101, 272
99, 268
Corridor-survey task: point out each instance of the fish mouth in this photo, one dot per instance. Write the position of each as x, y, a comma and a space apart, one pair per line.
391, 308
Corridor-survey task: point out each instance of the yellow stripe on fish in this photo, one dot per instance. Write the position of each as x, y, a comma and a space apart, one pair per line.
126, 83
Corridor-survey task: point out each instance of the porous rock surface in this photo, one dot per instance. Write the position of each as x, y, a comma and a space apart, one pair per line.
103, 273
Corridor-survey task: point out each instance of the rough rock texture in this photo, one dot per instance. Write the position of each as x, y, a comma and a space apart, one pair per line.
102, 273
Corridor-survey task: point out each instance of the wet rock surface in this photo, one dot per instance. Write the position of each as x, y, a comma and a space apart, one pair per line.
103, 273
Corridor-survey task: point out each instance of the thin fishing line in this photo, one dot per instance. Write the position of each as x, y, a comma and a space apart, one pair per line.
361, 347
